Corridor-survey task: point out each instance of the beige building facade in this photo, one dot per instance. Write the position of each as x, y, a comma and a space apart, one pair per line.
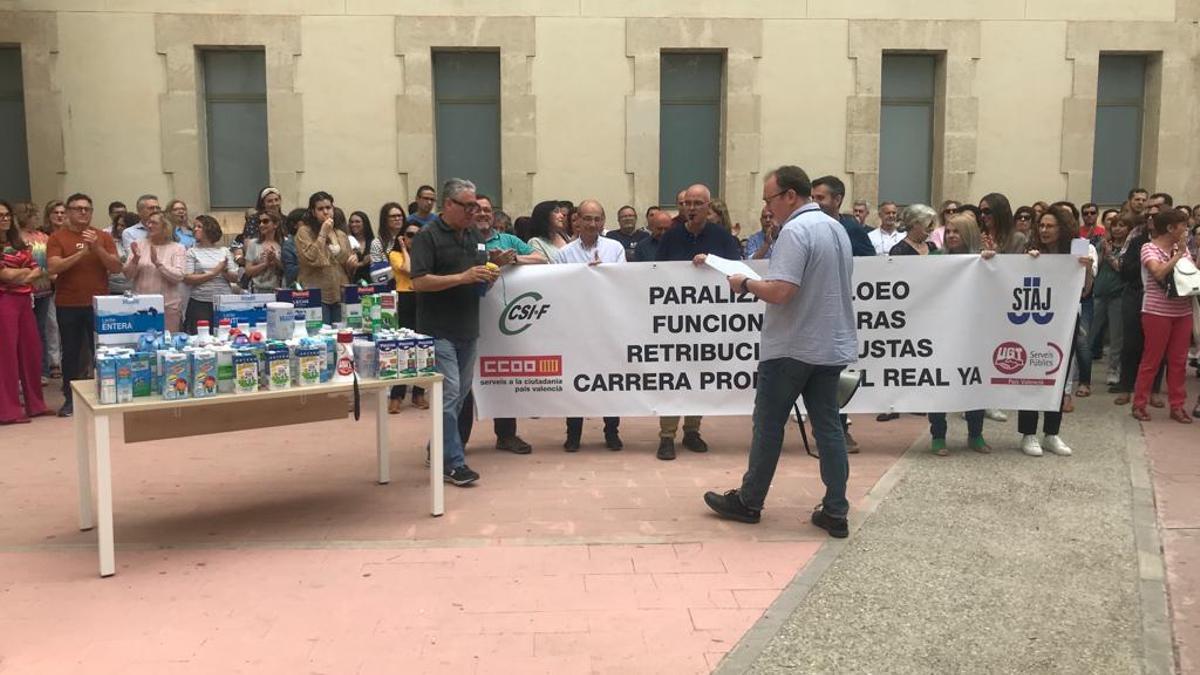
114, 107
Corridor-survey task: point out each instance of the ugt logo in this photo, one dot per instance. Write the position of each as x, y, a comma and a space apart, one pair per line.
520, 314
1031, 300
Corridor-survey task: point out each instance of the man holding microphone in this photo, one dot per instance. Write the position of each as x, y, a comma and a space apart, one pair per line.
808, 338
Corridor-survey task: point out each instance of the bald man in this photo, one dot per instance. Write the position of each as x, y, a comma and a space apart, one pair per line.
694, 236
658, 222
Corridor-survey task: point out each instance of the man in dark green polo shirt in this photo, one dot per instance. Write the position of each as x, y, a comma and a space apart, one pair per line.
448, 264
508, 249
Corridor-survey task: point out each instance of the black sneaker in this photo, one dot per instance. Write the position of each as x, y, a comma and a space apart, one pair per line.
67, 410
729, 505
514, 444
851, 444
693, 442
571, 444
612, 441
666, 448
836, 527
887, 417
461, 476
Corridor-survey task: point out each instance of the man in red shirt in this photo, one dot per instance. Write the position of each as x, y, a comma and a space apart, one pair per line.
81, 257
1088, 227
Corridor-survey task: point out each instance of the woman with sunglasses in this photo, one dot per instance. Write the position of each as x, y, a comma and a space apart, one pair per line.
937, 236
406, 304
263, 262
999, 233
1023, 220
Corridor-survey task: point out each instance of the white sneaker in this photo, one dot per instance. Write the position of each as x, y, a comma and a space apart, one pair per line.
995, 415
1030, 445
1055, 444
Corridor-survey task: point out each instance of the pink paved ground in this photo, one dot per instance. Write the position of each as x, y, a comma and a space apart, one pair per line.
274, 551
1173, 450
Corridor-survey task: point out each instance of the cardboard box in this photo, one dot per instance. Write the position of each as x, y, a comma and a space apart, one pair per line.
247, 309
121, 320
307, 301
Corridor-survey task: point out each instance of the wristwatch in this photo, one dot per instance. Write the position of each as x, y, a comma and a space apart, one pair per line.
745, 285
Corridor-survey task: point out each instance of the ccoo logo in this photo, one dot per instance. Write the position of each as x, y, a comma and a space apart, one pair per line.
1031, 300
520, 314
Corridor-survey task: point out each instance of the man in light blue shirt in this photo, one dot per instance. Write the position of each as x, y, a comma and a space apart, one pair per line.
146, 205
808, 338
758, 246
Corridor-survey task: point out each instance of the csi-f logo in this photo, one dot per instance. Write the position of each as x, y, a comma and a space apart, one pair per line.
520, 314
1031, 300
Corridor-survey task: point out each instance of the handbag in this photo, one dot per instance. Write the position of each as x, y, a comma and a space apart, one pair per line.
1184, 280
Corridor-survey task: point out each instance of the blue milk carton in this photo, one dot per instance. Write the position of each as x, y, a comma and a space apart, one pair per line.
106, 377
426, 355
204, 373
124, 368
143, 374
177, 375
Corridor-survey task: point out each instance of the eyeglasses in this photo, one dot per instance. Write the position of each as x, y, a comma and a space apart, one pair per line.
5, 216
767, 200
1024, 216
986, 211
395, 215
410, 235
591, 219
467, 206
264, 221
80, 209
1090, 213
694, 204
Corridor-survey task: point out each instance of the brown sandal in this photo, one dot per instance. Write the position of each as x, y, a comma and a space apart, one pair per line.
1156, 401
1083, 391
1068, 405
1180, 415
1140, 414
1121, 399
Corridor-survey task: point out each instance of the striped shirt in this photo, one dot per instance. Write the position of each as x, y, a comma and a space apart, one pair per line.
1155, 301
16, 260
201, 260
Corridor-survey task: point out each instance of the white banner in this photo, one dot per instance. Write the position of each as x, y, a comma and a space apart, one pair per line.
940, 333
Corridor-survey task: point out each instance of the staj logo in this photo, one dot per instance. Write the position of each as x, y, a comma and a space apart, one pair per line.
520, 366
1031, 300
520, 314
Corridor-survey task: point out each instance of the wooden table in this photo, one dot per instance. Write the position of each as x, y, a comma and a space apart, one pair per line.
152, 418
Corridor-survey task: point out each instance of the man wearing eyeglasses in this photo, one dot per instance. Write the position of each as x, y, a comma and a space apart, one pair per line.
447, 270
424, 215
509, 249
81, 257
695, 235
808, 338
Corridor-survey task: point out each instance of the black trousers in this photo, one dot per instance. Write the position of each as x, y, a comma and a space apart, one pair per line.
1027, 422
503, 426
198, 310
1133, 341
575, 426
76, 328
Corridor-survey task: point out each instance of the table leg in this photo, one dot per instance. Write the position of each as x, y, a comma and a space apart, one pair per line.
435, 450
381, 433
83, 464
104, 507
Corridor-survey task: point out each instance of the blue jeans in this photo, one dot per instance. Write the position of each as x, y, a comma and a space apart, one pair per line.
937, 425
41, 312
456, 363
780, 382
1083, 345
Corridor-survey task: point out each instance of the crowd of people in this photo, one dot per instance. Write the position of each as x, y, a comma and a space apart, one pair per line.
56, 260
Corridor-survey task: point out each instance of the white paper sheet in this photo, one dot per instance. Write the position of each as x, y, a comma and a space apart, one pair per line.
731, 267
1079, 247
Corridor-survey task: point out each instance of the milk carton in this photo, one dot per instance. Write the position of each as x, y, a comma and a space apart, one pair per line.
389, 318
142, 366
387, 354
204, 373
406, 350
106, 377
426, 356
124, 363
279, 369
177, 375
245, 372
308, 366
225, 371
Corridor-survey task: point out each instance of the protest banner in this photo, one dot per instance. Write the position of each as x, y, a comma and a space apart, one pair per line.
943, 333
